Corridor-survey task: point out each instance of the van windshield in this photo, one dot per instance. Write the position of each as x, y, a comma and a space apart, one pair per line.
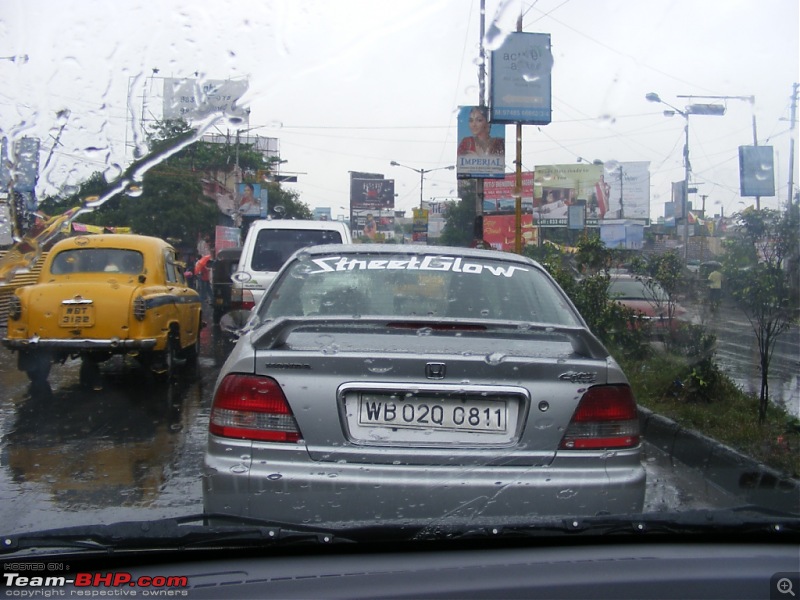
275, 246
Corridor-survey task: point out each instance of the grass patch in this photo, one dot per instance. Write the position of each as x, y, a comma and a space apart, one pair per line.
697, 395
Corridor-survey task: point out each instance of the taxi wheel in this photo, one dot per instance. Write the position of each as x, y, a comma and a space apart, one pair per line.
192, 353
171, 359
89, 375
36, 365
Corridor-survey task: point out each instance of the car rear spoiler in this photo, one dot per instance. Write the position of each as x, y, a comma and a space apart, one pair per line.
274, 334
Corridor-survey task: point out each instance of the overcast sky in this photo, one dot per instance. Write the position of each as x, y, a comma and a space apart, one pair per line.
352, 85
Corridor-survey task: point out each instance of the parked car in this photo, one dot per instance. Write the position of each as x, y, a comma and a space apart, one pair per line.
102, 295
226, 297
270, 242
648, 300
332, 410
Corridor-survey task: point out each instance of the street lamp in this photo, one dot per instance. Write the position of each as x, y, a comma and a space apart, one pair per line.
692, 109
422, 173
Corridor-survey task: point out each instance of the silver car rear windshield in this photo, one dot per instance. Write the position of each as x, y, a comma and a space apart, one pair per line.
417, 285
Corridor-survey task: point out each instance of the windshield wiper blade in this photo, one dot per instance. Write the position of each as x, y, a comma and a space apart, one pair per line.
748, 519
170, 533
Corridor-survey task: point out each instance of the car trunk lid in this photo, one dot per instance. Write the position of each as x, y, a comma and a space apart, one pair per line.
430, 393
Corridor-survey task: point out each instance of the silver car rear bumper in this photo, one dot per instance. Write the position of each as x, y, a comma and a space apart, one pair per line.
295, 489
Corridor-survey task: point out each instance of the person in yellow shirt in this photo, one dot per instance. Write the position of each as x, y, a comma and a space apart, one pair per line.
715, 288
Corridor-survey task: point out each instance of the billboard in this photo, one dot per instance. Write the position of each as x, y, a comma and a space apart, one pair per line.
372, 225
252, 200
520, 79
499, 231
629, 190
609, 190
622, 234
756, 171
481, 151
195, 98
419, 226
372, 194
498, 194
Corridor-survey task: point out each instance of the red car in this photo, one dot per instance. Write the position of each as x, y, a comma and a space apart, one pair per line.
647, 299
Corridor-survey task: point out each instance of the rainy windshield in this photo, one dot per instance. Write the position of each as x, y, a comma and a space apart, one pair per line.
654, 140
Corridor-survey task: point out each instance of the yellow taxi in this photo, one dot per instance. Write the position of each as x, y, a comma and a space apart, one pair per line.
101, 295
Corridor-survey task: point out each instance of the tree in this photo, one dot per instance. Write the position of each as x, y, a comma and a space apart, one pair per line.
665, 271
459, 226
756, 272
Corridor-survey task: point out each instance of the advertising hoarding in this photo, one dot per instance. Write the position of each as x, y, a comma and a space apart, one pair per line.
481, 151
606, 194
520, 79
756, 171
419, 226
629, 193
499, 231
371, 194
197, 98
498, 194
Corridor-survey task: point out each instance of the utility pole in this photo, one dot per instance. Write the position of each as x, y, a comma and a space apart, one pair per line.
793, 124
479, 192
518, 178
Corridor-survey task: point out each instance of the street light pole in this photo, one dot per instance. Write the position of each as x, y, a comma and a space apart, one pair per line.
698, 109
422, 173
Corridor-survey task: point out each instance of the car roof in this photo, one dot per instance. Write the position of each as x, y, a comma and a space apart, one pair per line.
296, 224
112, 240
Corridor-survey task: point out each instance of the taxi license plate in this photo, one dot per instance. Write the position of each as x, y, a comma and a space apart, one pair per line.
448, 414
76, 316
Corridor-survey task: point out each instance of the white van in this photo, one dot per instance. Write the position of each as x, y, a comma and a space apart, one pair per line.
269, 243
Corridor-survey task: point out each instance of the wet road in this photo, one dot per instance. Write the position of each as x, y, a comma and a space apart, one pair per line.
71, 456
737, 355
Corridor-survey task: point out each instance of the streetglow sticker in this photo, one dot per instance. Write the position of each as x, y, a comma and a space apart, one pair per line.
332, 264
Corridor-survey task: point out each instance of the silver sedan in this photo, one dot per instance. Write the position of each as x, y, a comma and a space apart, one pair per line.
419, 386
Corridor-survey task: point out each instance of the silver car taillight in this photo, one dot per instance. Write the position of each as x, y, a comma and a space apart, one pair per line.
250, 407
606, 418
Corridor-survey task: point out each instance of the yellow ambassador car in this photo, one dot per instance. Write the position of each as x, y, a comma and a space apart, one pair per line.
101, 295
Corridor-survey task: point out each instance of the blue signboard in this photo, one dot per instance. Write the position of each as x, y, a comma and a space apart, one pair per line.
521, 80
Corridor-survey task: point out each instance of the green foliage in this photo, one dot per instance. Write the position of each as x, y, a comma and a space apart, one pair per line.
706, 400
756, 275
593, 256
170, 203
459, 224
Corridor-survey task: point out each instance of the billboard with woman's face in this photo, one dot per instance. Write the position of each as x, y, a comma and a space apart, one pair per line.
249, 200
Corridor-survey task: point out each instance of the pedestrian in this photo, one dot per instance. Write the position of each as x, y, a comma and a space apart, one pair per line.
191, 261
715, 288
202, 272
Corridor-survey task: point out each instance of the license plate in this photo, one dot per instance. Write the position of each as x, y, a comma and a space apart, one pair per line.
447, 414
76, 316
